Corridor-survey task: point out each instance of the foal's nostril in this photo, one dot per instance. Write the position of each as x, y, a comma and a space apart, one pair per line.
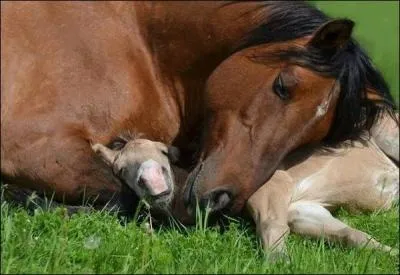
217, 200
141, 182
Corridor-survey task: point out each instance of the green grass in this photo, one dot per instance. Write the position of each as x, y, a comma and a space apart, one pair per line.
51, 242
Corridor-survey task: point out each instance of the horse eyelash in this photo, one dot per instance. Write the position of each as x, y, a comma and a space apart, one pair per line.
117, 144
280, 89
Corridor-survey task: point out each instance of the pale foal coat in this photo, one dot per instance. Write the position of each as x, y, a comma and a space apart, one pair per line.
299, 198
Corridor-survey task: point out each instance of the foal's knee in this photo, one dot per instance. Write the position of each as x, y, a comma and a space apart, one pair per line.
386, 191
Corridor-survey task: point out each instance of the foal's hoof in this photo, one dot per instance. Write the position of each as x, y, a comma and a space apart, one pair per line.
394, 252
148, 228
274, 257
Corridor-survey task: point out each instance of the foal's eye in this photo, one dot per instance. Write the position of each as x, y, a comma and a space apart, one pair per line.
280, 89
117, 144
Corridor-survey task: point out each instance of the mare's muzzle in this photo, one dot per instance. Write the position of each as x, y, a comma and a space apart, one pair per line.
215, 200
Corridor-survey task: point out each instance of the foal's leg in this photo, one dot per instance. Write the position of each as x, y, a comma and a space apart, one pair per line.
312, 219
268, 207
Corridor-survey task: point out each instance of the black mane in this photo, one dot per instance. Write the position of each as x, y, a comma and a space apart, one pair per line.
353, 69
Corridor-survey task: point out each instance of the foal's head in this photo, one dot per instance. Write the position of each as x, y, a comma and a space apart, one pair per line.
144, 166
267, 99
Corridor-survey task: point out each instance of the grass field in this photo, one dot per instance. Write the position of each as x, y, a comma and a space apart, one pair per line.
50, 242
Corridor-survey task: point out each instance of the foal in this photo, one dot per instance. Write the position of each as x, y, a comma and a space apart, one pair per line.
300, 196
144, 166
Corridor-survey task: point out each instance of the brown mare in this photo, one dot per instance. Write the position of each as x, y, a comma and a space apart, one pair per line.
240, 83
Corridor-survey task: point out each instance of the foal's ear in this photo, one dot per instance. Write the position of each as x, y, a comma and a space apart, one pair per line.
332, 35
105, 153
173, 154
372, 95
379, 100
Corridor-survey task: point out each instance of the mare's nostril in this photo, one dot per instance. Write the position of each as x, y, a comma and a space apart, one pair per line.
218, 200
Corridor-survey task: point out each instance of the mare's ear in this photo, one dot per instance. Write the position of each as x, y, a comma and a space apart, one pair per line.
332, 35
173, 154
105, 153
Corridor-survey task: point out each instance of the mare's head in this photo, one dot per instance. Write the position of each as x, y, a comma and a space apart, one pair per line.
297, 79
144, 166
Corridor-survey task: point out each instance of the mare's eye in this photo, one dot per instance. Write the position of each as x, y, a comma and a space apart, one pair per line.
280, 89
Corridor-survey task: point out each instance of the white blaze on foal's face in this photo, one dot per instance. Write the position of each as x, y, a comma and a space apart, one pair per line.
151, 172
144, 166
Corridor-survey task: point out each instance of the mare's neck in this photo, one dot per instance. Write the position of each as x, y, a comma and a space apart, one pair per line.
182, 34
